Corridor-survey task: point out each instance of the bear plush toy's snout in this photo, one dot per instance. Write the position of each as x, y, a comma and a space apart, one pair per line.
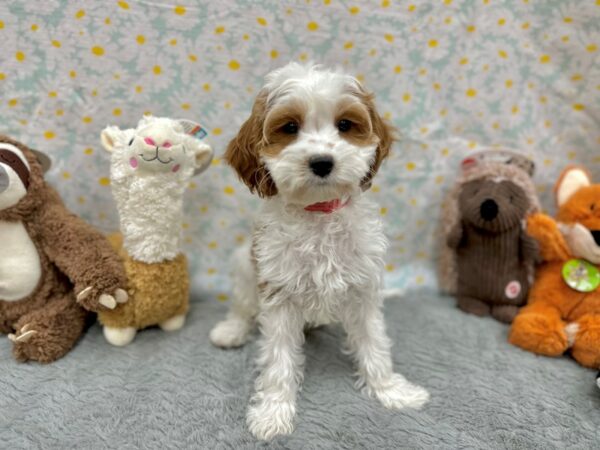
489, 209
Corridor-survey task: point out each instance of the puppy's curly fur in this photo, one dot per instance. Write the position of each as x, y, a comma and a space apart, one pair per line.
311, 146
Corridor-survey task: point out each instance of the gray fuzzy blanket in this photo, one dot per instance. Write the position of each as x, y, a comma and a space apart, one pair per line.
178, 391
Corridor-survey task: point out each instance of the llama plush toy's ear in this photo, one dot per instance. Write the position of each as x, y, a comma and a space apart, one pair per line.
109, 137
204, 155
570, 181
202, 151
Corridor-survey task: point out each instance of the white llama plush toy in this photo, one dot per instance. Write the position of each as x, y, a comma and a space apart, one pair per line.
151, 166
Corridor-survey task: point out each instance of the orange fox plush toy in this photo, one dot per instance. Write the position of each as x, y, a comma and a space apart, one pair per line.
563, 310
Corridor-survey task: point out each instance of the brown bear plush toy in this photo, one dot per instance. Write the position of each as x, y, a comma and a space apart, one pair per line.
492, 254
47, 255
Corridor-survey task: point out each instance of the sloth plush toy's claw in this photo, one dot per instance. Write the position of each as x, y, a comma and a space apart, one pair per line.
108, 301
121, 296
24, 335
84, 294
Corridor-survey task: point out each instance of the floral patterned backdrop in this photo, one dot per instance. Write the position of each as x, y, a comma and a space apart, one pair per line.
452, 75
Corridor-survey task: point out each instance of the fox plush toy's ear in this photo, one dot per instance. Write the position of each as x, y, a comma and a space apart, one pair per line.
570, 181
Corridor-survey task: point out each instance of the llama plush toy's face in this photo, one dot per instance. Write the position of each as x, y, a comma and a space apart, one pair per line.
157, 145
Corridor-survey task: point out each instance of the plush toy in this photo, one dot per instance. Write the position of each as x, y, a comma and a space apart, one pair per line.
151, 166
488, 259
563, 310
47, 256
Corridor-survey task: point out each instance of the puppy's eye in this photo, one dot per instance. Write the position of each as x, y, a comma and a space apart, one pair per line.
344, 125
290, 128
131, 141
592, 207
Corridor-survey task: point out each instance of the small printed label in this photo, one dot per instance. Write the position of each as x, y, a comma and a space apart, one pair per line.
199, 132
581, 275
193, 128
513, 289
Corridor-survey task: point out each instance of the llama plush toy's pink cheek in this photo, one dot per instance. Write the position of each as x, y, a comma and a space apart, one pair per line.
175, 168
133, 162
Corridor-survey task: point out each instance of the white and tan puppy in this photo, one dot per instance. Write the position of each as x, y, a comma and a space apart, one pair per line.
310, 148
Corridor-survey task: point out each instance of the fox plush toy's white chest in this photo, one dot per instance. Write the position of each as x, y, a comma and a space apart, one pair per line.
20, 267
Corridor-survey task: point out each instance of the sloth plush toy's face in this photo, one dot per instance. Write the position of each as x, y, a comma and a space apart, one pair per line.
14, 175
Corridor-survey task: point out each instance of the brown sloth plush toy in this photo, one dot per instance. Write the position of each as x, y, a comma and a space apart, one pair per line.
54, 267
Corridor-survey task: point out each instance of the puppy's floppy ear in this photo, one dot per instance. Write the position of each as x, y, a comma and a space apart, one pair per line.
383, 130
570, 181
243, 152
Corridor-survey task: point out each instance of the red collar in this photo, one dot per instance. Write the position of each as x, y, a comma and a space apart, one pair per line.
327, 207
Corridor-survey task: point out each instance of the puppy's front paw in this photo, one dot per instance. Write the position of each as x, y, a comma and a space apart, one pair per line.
269, 418
398, 393
230, 333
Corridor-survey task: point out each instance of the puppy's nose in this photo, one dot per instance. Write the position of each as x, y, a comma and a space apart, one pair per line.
596, 236
321, 165
488, 210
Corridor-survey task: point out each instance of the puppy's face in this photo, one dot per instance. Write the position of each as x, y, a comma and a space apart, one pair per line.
14, 175
313, 136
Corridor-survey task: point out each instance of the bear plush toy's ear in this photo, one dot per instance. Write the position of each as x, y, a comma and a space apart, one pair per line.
570, 181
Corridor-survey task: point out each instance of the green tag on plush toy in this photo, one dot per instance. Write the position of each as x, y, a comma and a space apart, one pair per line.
581, 275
